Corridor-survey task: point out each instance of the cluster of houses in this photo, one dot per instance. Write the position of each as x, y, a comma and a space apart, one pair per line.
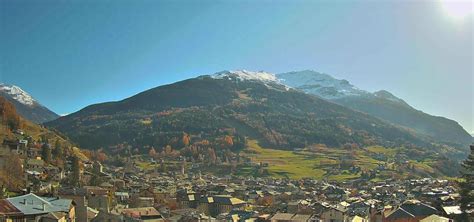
130, 193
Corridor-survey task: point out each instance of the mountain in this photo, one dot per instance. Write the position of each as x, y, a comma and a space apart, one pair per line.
25, 105
381, 104
240, 103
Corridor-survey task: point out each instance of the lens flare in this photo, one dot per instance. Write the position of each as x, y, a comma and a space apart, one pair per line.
458, 9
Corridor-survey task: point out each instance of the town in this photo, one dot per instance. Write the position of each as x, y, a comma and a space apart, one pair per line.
85, 190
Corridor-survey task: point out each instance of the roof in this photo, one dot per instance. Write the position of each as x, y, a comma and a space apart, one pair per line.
290, 217
358, 219
35, 162
400, 213
452, 210
418, 209
435, 218
226, 199
300, 217
139, 212
6, 208
282, 216
31, 204
55, 215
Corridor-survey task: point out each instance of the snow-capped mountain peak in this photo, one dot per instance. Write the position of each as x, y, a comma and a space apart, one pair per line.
17, 94
247, 75
320, 84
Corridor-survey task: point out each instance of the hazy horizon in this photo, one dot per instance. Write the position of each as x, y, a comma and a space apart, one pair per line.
72, 54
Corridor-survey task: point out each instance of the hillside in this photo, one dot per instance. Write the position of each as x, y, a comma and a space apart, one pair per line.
209, 107
26, 105
11, 123
381, 104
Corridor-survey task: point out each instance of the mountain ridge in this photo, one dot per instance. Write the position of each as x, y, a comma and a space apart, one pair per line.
381, 104
233, 103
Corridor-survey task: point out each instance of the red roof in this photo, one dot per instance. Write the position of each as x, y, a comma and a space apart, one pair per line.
6, 208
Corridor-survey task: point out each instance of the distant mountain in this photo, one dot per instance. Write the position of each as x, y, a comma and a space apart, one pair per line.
381, 104
25, 105
241, 103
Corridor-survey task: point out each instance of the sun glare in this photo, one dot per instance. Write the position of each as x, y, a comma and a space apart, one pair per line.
458, 9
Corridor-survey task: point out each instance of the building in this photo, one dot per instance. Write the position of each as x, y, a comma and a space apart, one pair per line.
36, 208
409, 211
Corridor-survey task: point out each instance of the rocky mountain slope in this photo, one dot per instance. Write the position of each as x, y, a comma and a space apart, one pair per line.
26, 105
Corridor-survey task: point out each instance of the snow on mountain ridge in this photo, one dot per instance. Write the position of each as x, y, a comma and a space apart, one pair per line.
320, 84
18, 94
247, 75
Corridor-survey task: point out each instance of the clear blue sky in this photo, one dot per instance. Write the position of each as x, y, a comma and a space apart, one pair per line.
70, 54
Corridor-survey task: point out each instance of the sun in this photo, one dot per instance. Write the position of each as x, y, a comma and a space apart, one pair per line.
458, 9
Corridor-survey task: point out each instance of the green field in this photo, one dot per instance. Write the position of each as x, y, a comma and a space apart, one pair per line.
283, 163
318, 162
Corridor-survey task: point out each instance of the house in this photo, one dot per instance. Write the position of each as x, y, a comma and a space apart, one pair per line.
281, 217
16, 146
98, 198
452, 211
55, 172
54, 217
78, 195
122, 197
226, 203
34, 207
187, 198
412, 210
35, 165
142, 202
335, 214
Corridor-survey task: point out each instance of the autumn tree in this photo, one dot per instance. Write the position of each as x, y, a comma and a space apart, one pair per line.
11, 175
152, 152
100, 156
266, 200
8, 114
467, 185
186, 139
229, 141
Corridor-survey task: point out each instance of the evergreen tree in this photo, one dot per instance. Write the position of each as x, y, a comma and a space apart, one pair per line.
467, 184
46, 152
75, 168
58, 151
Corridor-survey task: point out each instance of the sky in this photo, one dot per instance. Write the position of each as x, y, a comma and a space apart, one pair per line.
71, 54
